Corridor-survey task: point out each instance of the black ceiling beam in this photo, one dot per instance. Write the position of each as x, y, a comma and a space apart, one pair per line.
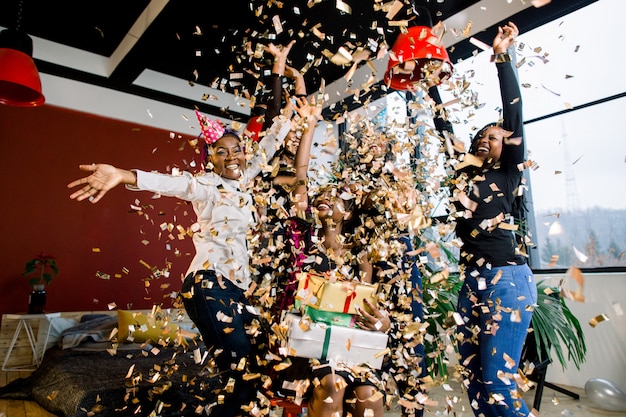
526, 20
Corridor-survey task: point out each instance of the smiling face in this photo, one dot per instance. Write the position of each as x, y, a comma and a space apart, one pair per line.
227, 157
488, 146
373, 149
292, 142
330, 206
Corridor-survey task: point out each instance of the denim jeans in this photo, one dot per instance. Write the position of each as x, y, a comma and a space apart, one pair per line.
410, 265
214, 299
496, 305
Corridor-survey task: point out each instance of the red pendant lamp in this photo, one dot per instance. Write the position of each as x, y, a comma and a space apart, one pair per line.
417, 57
19, 79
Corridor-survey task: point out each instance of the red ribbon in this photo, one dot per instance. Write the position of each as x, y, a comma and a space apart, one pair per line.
351, 296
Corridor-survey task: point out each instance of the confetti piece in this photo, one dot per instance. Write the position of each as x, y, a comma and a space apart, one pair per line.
52, 395
598, 319
103, 275
480, 44
467, 29
581, 256
223, 317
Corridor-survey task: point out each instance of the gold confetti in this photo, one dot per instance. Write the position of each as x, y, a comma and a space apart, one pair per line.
52, 395
103, 275
467, 29
598, 319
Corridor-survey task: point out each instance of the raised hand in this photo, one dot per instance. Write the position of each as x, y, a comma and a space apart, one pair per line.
308, 110
377, 321
505, 37
278, 51
103, 178
280, 54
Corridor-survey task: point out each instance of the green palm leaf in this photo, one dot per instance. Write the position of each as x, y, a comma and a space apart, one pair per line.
556, 327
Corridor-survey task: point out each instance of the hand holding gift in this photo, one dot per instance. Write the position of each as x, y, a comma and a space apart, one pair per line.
335, 296
378, 320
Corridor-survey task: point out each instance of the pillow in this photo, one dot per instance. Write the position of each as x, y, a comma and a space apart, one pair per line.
135, 326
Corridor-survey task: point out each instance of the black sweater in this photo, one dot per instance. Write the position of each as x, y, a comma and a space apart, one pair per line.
492, 189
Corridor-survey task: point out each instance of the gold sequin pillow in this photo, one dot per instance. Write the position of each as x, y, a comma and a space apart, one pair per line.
135, 326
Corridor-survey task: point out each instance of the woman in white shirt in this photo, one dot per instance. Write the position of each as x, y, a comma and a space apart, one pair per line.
213, 291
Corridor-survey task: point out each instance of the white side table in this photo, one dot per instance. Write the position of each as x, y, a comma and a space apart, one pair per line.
38, 347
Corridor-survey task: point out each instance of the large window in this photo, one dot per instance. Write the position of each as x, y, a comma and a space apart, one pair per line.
577, 192
574, 99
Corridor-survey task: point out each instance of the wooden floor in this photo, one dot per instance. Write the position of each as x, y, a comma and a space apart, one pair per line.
18, 408
553, 404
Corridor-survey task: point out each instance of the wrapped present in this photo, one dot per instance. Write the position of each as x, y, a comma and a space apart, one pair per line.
308, 339
338, 296
330, 317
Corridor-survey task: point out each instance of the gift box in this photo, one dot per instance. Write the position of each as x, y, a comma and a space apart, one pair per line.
338, 296
308, 339
330, 317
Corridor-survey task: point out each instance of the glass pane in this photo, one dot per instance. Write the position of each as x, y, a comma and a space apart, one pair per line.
578, 189
564, 64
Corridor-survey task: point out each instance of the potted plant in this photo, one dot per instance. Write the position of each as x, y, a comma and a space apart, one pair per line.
40, 270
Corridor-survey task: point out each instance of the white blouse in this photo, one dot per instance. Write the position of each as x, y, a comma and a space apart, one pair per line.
224, 210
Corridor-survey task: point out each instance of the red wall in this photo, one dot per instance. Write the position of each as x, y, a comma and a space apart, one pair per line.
41, 150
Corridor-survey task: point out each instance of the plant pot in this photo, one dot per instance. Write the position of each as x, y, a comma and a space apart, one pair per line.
37, 300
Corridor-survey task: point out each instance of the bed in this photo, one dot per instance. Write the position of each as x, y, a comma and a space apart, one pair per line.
85, 375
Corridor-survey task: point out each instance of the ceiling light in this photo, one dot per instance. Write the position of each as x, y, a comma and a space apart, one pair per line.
19, 79
417, 56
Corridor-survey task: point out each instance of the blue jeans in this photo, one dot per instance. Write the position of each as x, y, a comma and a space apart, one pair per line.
408, 265
496, 305
209, 302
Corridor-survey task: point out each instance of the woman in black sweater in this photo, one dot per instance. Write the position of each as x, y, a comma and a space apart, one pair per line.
499, 291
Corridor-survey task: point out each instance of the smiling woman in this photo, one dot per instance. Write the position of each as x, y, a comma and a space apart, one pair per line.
213, 291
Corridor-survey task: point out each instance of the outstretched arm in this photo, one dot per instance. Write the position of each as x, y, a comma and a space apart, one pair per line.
442, 124
311, 114
278, 71
103, 178
509, 92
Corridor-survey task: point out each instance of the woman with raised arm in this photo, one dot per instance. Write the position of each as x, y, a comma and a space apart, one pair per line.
499, 291
328, 247
213, 291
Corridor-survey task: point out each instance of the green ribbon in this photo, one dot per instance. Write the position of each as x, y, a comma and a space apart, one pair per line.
330, 317
326, 343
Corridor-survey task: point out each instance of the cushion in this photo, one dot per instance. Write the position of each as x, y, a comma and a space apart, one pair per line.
135, 326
